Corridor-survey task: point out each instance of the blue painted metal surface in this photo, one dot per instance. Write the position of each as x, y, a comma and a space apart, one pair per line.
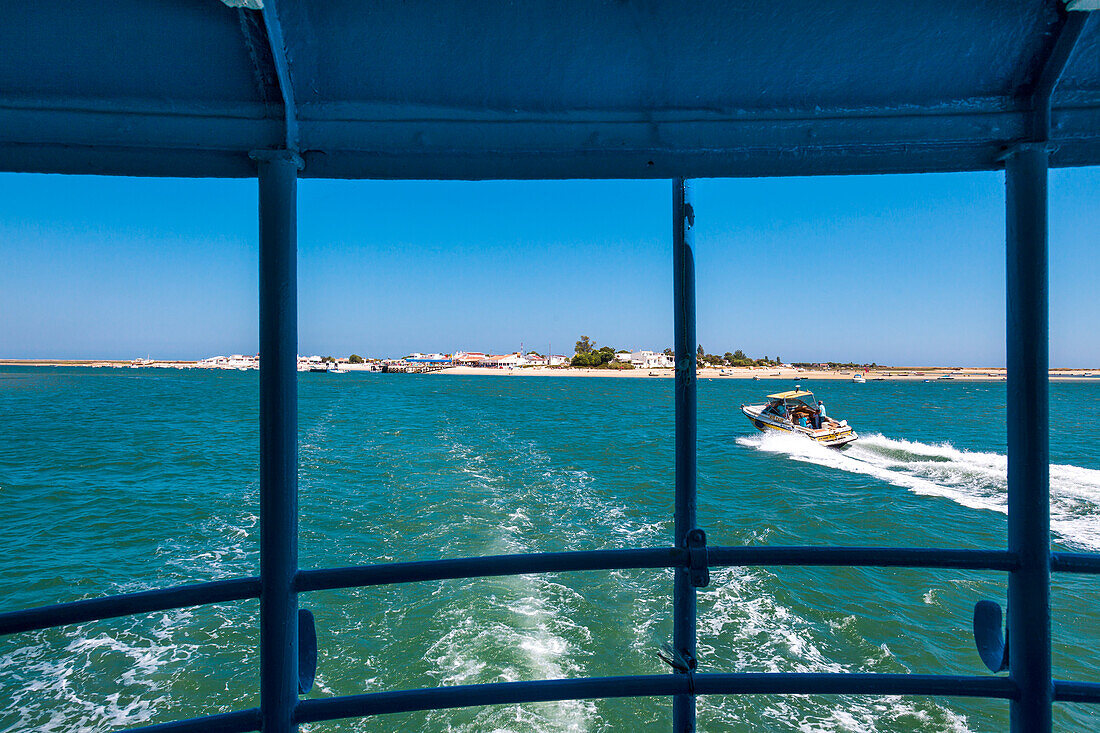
277, 47
684, 513
1075, 562
1053, 66
308, 580
494, 565
1028, 438
988, 636
163, 599
307, 651
678, 685
239, 722
1088, 692
733, 89
543, 89
278, 173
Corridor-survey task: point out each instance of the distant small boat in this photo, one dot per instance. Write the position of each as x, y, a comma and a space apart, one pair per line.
946, 376
725, 373
859, 379
785, 410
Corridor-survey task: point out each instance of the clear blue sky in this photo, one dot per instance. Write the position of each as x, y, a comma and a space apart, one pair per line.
902, 270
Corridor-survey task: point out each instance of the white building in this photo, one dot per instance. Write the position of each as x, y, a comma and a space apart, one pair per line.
469, 358
236, 361
651, 360
502, 361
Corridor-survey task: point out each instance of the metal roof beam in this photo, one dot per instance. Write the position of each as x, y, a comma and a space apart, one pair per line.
277, 44
1050, 71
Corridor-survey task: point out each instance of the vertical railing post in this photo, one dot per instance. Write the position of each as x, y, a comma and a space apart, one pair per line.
1028, 438
683, 592
278, 178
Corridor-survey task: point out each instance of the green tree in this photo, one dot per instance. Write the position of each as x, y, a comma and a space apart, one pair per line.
598, 358
668, 352
330, 358
355, 359
700, 353
584, 346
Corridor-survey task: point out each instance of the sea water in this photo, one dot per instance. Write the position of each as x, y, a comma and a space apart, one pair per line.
123, 480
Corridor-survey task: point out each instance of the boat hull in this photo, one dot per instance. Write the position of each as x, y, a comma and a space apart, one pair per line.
836, 437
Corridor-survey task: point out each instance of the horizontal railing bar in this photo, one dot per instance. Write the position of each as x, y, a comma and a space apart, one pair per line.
1075, 562
238, 589
1076, 691
880, 557
438, 698
551, 562
491, 565
127, 604
511, 693
242, 721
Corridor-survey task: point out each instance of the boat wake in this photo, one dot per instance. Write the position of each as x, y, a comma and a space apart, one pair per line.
974, 479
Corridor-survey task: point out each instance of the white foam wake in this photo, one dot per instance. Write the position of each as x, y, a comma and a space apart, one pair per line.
973, 479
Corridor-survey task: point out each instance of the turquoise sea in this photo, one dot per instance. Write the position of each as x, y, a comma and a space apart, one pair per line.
120, 480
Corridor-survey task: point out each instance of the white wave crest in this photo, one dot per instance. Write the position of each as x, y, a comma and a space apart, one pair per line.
974, 479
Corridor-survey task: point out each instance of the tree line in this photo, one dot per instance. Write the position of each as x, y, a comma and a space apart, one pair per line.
587, 354
735, 359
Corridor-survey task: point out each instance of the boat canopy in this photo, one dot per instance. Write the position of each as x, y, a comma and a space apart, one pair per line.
792, 395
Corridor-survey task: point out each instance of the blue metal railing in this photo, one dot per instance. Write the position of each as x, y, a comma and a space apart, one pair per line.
700, 683
285, 668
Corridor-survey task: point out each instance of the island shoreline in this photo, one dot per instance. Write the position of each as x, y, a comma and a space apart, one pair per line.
785, 374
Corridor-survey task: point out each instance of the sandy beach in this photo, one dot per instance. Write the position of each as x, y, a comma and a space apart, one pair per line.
915, 374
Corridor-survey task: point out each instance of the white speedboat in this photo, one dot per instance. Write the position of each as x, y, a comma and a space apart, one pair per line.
858, 378
796, 412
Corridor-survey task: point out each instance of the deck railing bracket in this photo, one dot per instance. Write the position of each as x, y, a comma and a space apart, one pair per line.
1019, 147
698, 566
992, 646
307, 650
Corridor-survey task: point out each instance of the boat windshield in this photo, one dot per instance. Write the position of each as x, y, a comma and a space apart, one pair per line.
806, 398
791, 403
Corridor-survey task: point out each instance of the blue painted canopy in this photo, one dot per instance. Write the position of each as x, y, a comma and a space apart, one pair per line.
536, 89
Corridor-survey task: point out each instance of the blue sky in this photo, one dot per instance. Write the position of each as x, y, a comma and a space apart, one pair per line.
905, 270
